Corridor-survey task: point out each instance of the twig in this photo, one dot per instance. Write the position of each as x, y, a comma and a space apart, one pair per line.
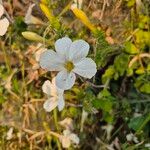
74, 105
137, 57
96, 86
103, 8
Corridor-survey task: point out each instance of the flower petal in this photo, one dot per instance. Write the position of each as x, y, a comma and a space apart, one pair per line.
65, 80
46, 87
62, 46
1, 10
74, 138
51, 61
67, 123
78, 50
59, 91
28, 15
50, 104
61, 103
66, 132
65, 141
4, 23
85, 68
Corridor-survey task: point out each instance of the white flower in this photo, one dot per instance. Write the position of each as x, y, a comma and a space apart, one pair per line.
30, 19
4, 23
67, 138
55, 96
69, 58
147, 145
67, 123
131, 137
10, 133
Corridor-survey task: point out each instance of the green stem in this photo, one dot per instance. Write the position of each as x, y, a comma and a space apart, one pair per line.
58, 144
57, 127
55, 119
5, 57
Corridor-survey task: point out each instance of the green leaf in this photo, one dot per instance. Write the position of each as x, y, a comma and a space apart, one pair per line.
87, 101
143, 21
104, 93
131, 3
104, 104
130, 48
2, 99
108, 117
145, 88
139, 123
142, 37
108, 74
121, 63
148, 67
103, 50
140, 70
129, 72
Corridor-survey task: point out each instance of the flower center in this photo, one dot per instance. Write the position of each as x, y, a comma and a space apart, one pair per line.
69, 66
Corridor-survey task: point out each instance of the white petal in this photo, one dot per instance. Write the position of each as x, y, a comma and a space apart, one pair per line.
67, 123
74, 138
66, 132
1, 10
4, 23
65, 80
85, 68
46, 87
62, 46
78, 50
51, 61
74, 5
59, 91
61, 103
28, 15
10, 133
30, 19
65, 141
50, 104
53, 87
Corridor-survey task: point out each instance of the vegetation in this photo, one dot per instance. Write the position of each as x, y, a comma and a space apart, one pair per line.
110, 111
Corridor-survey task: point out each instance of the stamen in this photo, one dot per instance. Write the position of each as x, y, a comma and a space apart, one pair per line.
69, 66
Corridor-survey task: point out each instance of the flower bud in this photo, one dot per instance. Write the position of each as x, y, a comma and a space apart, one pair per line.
32, 36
